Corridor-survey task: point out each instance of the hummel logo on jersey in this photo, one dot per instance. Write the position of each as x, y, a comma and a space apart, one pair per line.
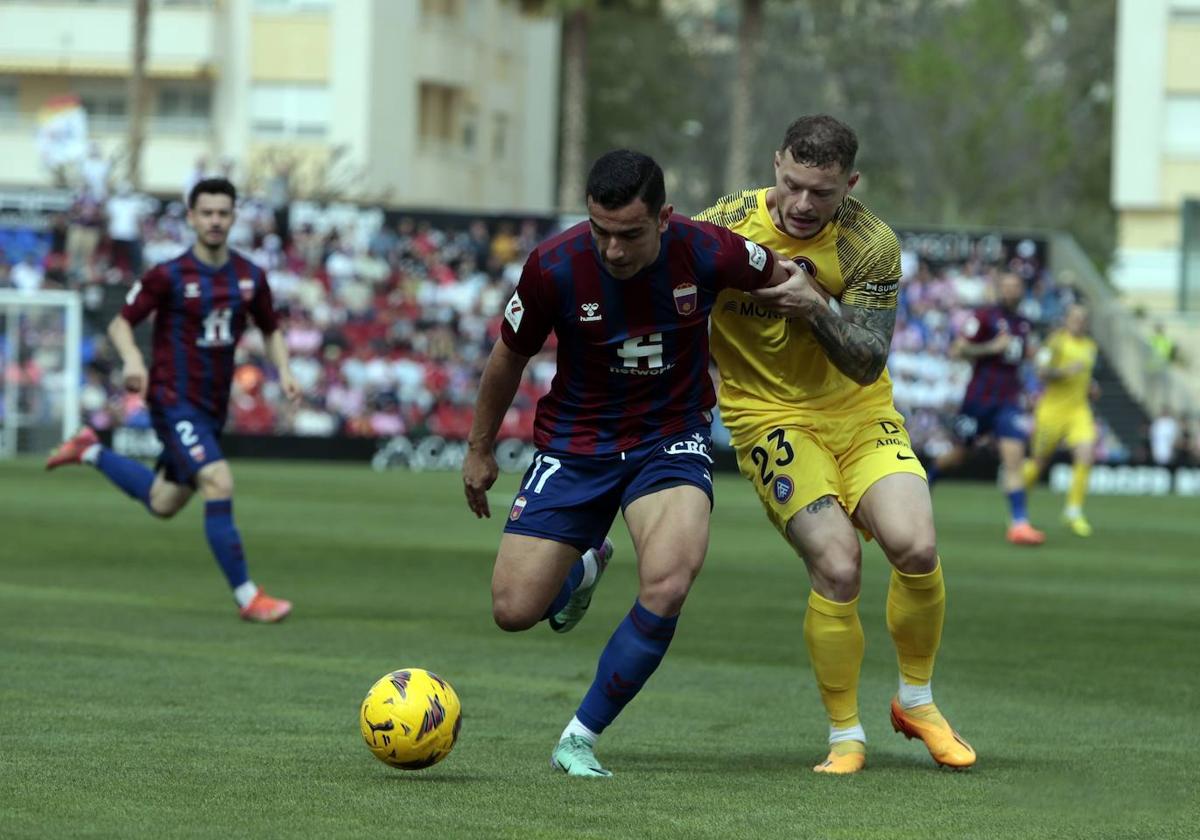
589, 312
191, 290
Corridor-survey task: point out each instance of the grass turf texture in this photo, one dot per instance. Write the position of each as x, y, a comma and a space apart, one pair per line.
135, 704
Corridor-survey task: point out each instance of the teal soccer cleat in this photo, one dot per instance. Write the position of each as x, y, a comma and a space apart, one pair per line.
574, 756
577, 605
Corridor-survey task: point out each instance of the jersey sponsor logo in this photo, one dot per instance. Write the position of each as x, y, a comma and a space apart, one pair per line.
590, 311
751, 309
191, 289
246, 288
695, 445
807, 264
685, 298
783, 488
881, 286
517, 508
756, 255
634, 350
514, 311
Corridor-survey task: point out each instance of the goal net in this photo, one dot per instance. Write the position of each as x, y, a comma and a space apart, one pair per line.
41, 360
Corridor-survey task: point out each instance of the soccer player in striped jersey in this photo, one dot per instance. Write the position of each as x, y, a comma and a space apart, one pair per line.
625, 425
202, 302
997, 340
1064, 413
807, 399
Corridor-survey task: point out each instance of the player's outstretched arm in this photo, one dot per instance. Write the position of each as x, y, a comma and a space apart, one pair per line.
277, 352
133, 366
497, 387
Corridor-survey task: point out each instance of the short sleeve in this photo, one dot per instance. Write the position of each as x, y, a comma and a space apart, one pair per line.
146, 296
740, 263
528, 316
262, 306
875, 283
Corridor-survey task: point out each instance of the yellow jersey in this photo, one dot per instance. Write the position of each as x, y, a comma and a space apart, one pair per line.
764, 357
1062, 350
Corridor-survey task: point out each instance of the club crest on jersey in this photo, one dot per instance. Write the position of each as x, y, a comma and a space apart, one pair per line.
589, 312
514, 311
517, 508
246, 287
197, 452
685, 298
783, 489
191, 289
807, 264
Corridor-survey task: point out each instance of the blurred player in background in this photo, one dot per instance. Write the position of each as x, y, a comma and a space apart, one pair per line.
625, 425
201, 301
807, 398
1064, 413
997, 340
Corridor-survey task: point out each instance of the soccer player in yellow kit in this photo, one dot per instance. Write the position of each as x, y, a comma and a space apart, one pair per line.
806, 397
1064, 414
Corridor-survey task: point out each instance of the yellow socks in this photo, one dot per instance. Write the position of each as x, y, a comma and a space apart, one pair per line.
1079, 484
835, 642
1029, 472
916, 609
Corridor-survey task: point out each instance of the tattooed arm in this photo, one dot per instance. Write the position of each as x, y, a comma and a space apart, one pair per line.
856, 341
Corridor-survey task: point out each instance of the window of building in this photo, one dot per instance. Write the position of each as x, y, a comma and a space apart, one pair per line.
1182, 134
436, 121
469, 127
500, 136
193, 102
8, 97
289, 110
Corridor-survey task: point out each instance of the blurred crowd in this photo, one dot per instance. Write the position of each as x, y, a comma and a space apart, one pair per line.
389, 322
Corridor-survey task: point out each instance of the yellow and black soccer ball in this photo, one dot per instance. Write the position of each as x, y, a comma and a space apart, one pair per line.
410, 719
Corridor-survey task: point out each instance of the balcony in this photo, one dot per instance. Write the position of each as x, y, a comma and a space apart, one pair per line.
96, 38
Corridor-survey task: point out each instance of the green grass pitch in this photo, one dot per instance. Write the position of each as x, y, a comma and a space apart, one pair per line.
133, 703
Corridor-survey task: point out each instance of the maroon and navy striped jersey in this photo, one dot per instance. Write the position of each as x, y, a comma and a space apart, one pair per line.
200, 314
632, 353
996, 379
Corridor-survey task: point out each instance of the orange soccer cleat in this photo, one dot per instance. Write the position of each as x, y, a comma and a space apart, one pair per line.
925, 722
844, 757
266, 610
71, 450
1022, 533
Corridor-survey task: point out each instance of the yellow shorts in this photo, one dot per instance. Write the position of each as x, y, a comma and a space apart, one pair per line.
792, 465
1054, 425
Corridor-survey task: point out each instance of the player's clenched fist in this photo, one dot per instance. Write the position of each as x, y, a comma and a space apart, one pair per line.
479, 474
134, 377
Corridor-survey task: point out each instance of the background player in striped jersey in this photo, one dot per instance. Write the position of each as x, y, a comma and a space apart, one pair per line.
1064, 414
201, 301
624, 426
808, 402
998, 339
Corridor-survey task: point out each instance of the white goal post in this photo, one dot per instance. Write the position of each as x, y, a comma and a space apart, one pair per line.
56, 317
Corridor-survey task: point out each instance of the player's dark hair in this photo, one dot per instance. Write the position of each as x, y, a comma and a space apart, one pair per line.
820, 140
621, 176
212, 186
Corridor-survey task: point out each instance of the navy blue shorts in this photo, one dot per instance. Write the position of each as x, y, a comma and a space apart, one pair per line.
1002, 420
190, 439
574, 499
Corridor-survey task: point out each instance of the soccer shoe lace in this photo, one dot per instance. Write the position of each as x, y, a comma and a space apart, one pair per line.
1022, 533
1079, 526
577, 605
844, 757
925, 722
266, 610
574, 756
71, 451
